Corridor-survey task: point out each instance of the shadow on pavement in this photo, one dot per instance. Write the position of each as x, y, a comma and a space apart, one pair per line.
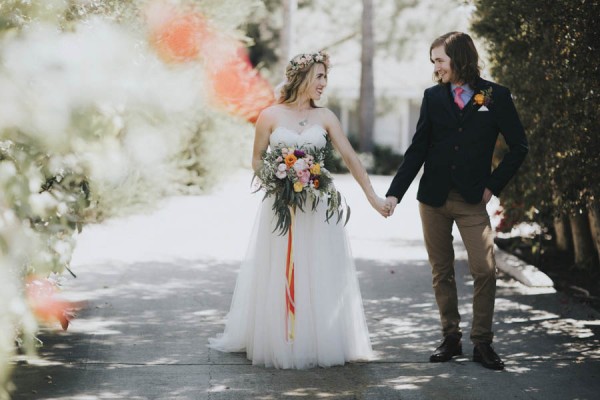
144, 334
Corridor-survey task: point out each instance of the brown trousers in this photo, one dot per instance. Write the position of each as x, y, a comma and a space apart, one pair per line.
474, 226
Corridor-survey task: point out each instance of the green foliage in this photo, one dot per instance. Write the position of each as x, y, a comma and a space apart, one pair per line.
547, 55
385, 160
336, 164
208, 155
264, 35
382, 161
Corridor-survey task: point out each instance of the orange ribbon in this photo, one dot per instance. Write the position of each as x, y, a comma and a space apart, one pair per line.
290, 304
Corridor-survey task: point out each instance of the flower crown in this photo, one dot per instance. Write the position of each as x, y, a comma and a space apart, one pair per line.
302, 61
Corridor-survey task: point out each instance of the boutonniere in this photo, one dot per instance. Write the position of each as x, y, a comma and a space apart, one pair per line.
483, 98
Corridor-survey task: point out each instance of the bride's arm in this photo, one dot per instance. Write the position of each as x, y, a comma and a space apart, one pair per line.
343, 146
261, 138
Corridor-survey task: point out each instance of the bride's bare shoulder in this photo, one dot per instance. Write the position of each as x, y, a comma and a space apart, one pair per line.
267, 112
269, 116
328, 117
271, 112
325, 112
275, 108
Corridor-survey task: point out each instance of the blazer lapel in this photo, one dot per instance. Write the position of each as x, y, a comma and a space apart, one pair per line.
448, 101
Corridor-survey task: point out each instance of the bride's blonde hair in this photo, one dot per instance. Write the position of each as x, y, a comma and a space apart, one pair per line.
300, 73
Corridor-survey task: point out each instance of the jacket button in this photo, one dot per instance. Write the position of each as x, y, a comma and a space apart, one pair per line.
456, 148
453, 167
460, 129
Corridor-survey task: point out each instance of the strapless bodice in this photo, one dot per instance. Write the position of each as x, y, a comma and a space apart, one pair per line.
314, 135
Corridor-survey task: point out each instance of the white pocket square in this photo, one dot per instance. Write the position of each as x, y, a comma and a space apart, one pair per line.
483, 108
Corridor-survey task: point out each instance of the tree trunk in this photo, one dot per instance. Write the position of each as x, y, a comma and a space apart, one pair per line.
562, 234
366, 106
582, 240
287, 32
594, 217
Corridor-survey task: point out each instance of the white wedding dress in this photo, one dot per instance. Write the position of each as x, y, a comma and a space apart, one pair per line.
330, 326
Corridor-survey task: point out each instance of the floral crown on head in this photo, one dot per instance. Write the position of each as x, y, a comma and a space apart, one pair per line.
303, 61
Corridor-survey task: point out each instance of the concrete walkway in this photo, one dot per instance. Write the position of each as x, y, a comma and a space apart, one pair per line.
158, 285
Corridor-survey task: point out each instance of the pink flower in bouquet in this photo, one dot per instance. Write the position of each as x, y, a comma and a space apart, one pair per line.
303, 176
279, 159
300, 165
284, 151
309, 159
281, 172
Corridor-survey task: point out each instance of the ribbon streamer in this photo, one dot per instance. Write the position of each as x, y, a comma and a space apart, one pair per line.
290, 304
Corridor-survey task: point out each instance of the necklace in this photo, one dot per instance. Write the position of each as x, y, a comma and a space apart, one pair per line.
303, 122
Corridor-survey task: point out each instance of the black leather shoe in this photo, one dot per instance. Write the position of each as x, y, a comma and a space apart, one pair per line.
484, 353
450, 347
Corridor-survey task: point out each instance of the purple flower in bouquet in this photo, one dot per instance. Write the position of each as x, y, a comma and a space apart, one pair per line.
299, 153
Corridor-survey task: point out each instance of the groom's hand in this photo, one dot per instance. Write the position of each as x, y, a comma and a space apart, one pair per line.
391, 202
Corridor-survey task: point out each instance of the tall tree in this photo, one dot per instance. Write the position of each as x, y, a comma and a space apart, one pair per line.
366, 105
287, 32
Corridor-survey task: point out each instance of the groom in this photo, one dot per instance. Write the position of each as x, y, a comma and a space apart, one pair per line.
459, 123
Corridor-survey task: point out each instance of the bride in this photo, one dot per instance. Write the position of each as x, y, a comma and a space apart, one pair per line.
329, 326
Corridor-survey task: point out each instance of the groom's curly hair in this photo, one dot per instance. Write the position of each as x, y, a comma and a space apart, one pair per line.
464, 58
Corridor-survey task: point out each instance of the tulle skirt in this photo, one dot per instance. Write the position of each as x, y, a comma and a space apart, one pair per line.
330, 326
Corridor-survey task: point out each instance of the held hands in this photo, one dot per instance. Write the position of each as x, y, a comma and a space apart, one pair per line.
381, 206
385, 207
390, 205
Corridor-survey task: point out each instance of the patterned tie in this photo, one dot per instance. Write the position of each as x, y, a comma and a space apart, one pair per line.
457, 99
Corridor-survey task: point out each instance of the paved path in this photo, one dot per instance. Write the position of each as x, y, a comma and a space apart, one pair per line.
158, 285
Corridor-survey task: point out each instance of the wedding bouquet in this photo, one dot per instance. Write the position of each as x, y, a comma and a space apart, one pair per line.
295, 176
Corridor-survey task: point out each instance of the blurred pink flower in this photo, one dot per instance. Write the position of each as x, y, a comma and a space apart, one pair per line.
300, 165
303, 176
281, 172
47, 307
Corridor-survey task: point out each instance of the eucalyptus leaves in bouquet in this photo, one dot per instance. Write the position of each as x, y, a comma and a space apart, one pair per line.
296, 178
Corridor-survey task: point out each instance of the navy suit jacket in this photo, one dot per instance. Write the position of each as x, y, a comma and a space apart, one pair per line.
456, 146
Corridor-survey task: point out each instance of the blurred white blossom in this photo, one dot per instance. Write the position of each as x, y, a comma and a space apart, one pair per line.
93, 123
